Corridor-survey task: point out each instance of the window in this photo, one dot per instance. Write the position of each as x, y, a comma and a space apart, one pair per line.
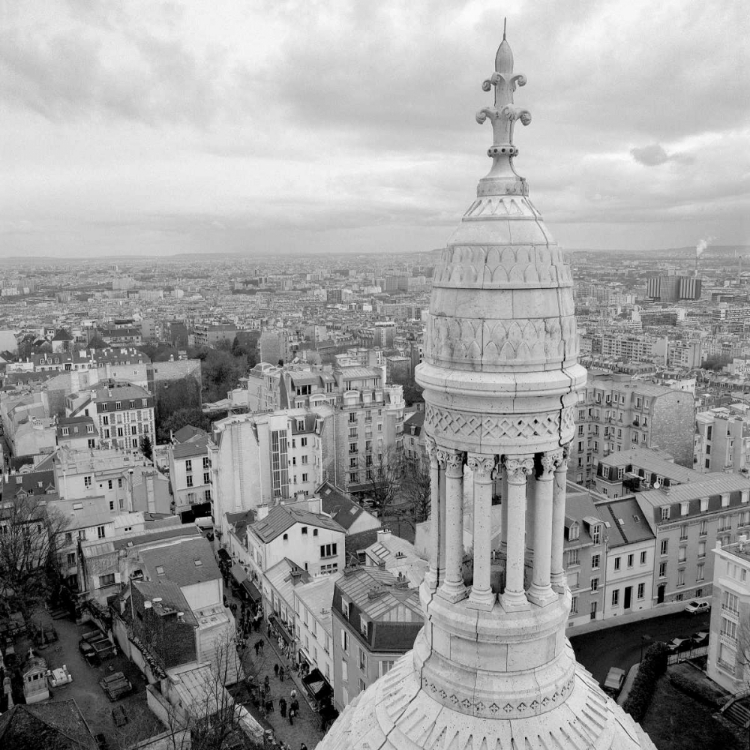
574, 605
71, 558
345, 608
345, 641
303, 530
662, 570
704, 501
105, 420
106, 580
703, 531
596, 534
305, 477
665, 513
344, 668
328, 550
664, 546
303, 442
594, 584
92, 443
681, 577
595, 559
118, 404
684, 509
363, 657
189, 480
630, 561
728, 628
188, 465
119, 482
700, 572
206, 477
66, 431
616, 598
573, 531
384, 667
87, 482
352, 478
641, 590
682, 554
618, 560
100, 532
573, 557
362, 686
643, 558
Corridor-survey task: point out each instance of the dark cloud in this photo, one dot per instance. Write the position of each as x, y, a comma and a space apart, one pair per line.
654, 154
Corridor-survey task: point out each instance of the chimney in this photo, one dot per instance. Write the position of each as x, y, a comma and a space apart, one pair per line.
147, 605
261, 512
383, 534
180, 617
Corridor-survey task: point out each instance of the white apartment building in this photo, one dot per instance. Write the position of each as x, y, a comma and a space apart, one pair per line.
263, 459
190, 473
314, 628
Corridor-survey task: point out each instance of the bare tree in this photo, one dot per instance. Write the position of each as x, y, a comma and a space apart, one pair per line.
415, 488
28, 533
384, 475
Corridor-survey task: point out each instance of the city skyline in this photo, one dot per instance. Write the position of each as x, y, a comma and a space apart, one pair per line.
282, 128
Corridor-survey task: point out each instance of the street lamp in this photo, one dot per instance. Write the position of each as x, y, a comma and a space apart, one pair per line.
644, 639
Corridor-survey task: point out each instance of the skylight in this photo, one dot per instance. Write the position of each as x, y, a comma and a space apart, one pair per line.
159, 570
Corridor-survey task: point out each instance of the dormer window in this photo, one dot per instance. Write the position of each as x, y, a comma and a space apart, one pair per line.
684, 509
704, 504
665, 513
573, 531
725, 500
345, 607
363, 626
596, 533
65, 431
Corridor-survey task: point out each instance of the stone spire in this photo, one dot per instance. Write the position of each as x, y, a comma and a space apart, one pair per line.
492, 668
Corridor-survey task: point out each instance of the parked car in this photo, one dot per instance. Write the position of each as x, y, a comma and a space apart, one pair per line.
613, 683
116, 685
700, 638
679, 644
103, 647
696, 606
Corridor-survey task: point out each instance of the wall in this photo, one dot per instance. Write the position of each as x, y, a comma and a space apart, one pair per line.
673, 426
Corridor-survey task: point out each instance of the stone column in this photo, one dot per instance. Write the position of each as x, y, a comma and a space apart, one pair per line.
452, 586
540, 591
557, 574
504, 515
433, 578
483, 468
517, 468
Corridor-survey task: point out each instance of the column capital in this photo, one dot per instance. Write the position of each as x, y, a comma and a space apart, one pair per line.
482, 465
562, 462
432, 452
551, 461
453, 462
517, 468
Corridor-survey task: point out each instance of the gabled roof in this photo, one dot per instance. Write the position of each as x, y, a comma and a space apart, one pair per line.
193, 447
709, 484
281, 518
634, 527
359, 584
187, 563
46, 726
172, 599
188, 433
337, 504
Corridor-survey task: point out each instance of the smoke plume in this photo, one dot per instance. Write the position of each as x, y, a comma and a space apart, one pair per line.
700, 247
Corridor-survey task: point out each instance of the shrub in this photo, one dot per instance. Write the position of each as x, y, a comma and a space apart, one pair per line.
697, 690
653, 666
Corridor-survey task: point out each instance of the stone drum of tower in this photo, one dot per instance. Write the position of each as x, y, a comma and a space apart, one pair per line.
492, 668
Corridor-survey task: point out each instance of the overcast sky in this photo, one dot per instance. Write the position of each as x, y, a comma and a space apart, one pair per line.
151, 128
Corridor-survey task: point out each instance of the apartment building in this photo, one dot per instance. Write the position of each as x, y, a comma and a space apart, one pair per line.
314, 624
77, 433
585, 550
729, 642
687, 521
263, 459
212, 334
313, 541
376, 617
723, 439
124, 413
616, 413
622, 474
629, 573
190, 473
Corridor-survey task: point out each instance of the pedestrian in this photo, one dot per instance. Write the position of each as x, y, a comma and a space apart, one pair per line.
276, 669
281, 673
282, 707
267, 683
291, 714
269, 705
257, 647
295, 706
302, 746
293, 694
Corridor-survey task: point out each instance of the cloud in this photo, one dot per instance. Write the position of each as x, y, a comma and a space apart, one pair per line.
654, 154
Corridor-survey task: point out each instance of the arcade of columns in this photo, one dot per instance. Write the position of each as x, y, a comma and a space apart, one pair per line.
533, 503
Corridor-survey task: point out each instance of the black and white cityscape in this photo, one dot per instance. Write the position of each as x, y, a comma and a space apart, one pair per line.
374, 376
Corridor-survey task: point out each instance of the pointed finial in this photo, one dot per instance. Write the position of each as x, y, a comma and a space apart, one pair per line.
504, 114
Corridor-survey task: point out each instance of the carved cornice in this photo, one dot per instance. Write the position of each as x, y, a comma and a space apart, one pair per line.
501, 428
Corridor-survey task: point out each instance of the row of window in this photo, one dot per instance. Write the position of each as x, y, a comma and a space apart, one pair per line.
685, 506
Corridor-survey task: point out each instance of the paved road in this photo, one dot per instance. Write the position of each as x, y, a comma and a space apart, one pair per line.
621, 646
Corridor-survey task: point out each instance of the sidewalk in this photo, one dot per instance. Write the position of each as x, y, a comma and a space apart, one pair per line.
616, 622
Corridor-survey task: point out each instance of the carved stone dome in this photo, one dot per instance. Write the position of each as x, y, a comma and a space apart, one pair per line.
492, 669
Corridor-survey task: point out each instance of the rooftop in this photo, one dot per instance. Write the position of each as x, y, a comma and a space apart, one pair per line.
281, 518
187, 563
